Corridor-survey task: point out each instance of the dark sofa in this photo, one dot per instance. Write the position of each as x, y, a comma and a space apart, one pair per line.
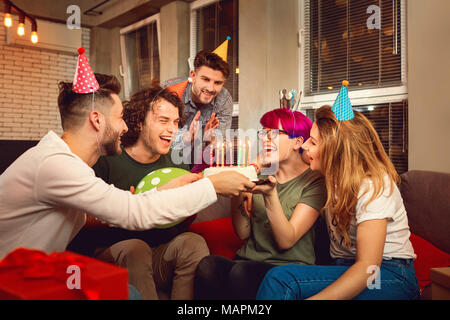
10, 150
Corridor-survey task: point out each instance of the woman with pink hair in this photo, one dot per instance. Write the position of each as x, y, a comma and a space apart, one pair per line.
278, 224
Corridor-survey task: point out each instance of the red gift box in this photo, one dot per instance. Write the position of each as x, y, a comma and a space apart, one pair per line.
27, 274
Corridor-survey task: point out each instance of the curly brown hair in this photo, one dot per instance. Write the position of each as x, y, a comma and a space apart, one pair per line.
135, 110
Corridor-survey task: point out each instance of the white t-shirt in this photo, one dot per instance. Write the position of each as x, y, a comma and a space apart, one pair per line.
46, 192
385, 206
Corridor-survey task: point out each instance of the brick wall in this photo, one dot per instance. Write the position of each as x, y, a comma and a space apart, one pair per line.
29, 88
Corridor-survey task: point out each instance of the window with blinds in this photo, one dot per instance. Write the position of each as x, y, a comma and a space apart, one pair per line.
357, 40
142, 57
214, 23
391, 123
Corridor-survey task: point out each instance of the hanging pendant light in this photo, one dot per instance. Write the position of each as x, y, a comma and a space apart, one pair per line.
34, 35
8, 18
21, 27
22, 16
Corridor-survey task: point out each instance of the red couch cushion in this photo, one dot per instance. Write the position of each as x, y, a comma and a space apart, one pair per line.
428, 256
219, 236
222, 240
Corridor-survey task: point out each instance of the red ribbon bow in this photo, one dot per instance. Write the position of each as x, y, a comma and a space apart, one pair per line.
39, 265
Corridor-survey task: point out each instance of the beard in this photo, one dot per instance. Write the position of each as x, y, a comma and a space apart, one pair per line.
202, 99
111, 145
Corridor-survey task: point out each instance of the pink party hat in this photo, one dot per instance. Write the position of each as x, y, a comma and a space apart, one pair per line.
84, 80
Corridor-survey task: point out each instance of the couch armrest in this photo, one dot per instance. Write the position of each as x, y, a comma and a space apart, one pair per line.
440, 283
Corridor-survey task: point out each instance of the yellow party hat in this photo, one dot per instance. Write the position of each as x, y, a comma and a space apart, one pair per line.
222, 50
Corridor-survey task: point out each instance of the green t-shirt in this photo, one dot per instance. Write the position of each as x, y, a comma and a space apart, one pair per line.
123, 171
308, 188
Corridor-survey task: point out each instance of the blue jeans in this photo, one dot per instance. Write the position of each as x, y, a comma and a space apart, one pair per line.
133, 294
396, 281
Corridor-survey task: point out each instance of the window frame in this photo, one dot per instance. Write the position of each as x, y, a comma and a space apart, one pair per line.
194, 6
358, 97
133, 27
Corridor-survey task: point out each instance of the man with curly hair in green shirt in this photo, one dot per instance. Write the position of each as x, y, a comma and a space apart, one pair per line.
159, 261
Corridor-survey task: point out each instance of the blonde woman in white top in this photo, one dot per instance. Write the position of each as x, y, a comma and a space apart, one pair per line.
366, 219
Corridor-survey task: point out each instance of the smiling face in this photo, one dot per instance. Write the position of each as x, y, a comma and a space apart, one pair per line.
115, 127
270, 139
206, 84
160, 127
277, 145
311, 146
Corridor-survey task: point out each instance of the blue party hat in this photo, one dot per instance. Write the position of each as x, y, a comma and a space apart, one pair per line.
342, 107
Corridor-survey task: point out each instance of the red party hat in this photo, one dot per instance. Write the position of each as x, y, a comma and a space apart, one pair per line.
179, 88
84, 80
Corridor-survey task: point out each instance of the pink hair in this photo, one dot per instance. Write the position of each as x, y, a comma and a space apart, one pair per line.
294, 122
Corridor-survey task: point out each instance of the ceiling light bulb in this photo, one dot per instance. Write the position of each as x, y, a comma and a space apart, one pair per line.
8, 20
21, 29
34, 37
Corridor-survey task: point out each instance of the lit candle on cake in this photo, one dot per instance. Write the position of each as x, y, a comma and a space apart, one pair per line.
248, 154
211, 152
217, 153
223, 154
231, 153
244, 152
239, 154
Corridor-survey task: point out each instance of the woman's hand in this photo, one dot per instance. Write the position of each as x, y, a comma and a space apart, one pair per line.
181, 181
266, 189
248, 203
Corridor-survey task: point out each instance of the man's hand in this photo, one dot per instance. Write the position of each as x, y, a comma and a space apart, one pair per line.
181, 181
213, 123
192, 133
194, 128
230, 183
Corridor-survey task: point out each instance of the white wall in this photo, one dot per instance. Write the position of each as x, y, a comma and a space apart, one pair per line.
175, 31
428, 84
268, 56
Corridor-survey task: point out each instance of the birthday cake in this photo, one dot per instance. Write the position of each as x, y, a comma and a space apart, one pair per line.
248, 171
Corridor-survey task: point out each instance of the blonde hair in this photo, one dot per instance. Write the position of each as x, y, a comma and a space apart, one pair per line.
350, 151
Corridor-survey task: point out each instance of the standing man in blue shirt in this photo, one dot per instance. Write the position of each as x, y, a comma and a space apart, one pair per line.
208, 105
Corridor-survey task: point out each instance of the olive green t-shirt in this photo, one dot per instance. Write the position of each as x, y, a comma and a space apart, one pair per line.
123, 171
308, 188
